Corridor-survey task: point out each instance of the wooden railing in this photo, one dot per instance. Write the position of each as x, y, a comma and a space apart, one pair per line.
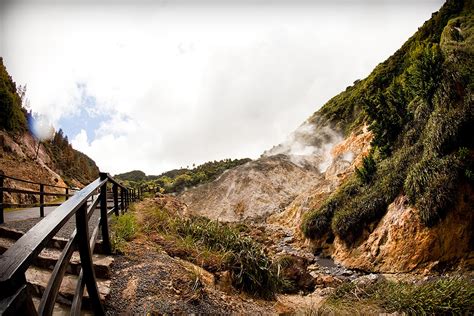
14, 296
42, 193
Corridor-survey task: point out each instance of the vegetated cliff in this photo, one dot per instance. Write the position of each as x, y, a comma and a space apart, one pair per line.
381, 177
52, 161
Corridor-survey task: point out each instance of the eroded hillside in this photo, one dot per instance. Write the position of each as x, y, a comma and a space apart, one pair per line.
270, 185
381, 177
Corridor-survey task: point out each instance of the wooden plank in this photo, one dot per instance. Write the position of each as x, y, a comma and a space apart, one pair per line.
116, 203
19, 303
41, 200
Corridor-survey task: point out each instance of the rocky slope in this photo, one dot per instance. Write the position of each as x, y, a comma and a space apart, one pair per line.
310, 159
21, 158
404, 129
17, 159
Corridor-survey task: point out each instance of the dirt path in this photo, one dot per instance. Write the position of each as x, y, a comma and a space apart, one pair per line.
147, 280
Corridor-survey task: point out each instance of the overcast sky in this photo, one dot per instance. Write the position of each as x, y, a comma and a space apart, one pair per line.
156, 85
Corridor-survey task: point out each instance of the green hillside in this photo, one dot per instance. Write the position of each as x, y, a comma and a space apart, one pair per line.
177, 180
419, 106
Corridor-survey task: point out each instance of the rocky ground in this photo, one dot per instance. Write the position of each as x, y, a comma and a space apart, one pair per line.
146, 279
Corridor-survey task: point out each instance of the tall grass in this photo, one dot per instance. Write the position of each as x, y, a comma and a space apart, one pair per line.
225, 249
443, 296
123, 229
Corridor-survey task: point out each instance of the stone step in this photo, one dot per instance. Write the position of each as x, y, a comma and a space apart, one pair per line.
61, 309
49, 256
38, 278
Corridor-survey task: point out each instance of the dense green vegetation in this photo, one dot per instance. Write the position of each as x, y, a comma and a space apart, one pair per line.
179, 179
418, 104
123, 228
216, 247
12, 115
443, 296
68, 162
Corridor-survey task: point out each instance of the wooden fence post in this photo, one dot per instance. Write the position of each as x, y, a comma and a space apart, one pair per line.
1, 197
122, 199
42, 200
82, 227
116, 203
103, 215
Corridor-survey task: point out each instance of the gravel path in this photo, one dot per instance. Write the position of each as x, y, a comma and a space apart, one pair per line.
24, 214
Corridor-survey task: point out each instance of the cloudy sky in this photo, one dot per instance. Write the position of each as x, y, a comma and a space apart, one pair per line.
156, 85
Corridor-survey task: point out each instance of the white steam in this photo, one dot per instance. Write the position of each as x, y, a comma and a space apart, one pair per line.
309, 144
41, 128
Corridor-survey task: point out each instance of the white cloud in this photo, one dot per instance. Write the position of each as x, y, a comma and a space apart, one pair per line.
185, 84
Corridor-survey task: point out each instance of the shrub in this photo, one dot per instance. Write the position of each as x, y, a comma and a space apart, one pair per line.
317, 223
367, 170
424, 73
370, 202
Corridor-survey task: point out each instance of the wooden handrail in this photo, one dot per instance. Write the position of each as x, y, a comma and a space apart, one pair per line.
41, 193
20, 256
32, 182
14, 190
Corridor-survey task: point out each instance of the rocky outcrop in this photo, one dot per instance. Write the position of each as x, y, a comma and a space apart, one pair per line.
401, 243
21, 158
285, 182
254, 190
346, 155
